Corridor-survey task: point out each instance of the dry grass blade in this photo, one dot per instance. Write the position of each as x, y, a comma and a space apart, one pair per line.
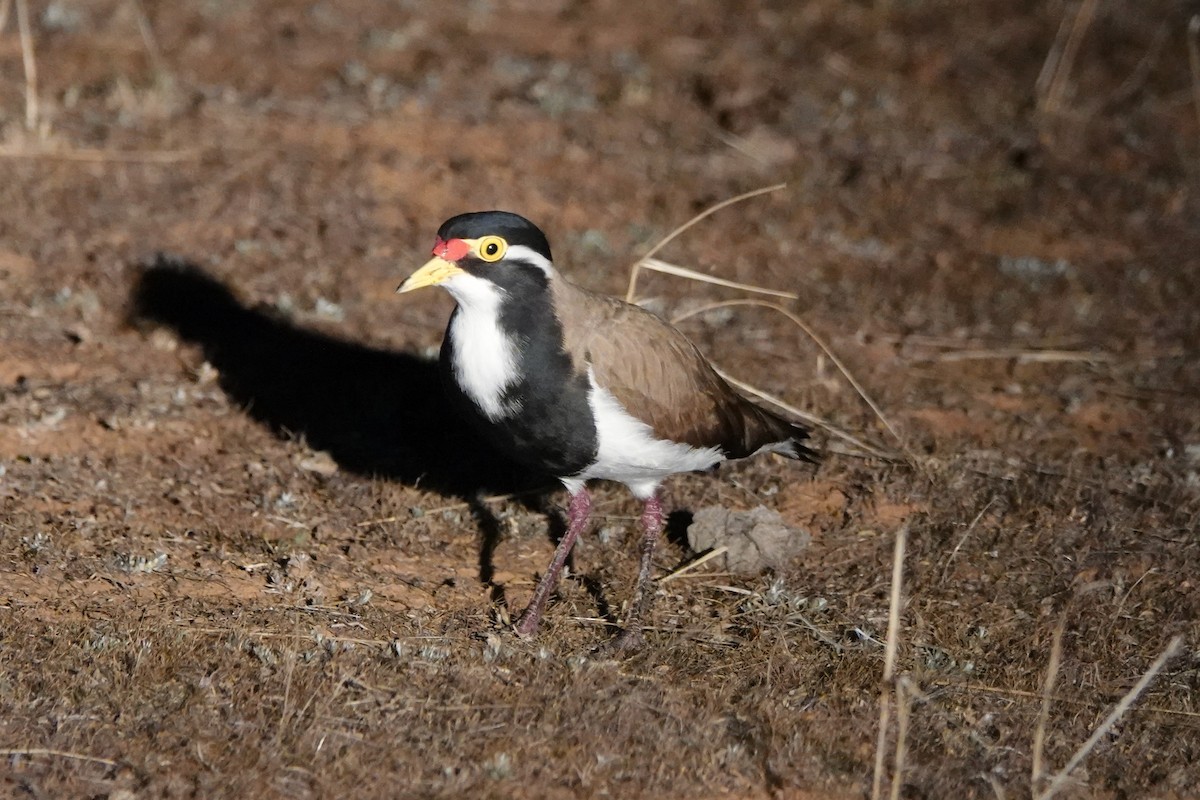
1118, 711
633, 274
147, 34
1193, 40
802, 325
691, 565
905, 692
1050, 65
1024, 694
1022, 356
94, 156
889, 659
655, 265
43, 751
963, 540
805, 416
1039, 735
32, 110
1052, 101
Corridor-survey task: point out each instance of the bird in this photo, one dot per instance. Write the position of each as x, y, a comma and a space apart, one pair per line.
582, 386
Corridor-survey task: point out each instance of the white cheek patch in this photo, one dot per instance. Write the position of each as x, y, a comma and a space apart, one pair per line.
485, 357
629, 452
527, 255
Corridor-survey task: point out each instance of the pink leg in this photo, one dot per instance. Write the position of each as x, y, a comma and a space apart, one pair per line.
643, 592
578, 515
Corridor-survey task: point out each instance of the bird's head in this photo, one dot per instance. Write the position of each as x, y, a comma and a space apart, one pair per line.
495, 246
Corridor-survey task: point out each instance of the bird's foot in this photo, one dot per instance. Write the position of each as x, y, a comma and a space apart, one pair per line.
626, 643
527, 624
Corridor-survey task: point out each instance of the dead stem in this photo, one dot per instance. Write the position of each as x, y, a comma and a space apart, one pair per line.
1039, 735
1024, 694
148, 40
94, 156
32, 110
802, 325
805, 416
1021, 356
905, 693
889, 660
1114, 716
633, 274
963, 540
691, 565
655, 265
43, 751
1050, 65
1052, 101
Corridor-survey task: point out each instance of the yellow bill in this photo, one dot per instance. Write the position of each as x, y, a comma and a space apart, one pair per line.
434, 272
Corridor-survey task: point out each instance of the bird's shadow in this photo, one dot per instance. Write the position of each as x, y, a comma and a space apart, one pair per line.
377, 413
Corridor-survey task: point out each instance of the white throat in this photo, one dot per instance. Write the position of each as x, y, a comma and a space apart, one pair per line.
485, 357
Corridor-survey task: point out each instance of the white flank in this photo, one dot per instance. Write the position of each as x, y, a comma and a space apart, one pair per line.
485, 358
630, 453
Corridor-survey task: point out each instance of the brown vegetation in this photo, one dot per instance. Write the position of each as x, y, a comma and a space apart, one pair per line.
243, 551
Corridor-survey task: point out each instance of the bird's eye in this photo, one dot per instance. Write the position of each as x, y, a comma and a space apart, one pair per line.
491, 248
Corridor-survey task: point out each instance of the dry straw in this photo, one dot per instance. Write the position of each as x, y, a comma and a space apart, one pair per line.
891, 645
655, 265
1059, 781
32, 111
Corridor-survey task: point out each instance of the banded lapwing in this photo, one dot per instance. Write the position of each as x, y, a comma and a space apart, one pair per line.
581, 386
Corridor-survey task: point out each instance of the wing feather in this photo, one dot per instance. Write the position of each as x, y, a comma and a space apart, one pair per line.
660, 377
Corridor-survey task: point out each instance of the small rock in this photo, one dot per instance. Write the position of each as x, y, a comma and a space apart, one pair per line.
755, 539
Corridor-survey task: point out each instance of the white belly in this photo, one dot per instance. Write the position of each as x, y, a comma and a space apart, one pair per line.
629, 452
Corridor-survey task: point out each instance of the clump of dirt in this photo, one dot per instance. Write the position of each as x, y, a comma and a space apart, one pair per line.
750, 541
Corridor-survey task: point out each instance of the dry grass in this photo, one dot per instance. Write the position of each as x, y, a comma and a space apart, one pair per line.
193, 602
891, 647
29, 61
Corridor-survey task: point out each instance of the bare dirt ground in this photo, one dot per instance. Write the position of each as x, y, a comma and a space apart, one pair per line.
242, 545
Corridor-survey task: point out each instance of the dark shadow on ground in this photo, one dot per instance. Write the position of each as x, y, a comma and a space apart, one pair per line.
376, 412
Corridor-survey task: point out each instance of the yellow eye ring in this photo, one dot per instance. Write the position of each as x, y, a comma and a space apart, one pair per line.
491, 248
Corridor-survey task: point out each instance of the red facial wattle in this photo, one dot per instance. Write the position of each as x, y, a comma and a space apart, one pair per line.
452, 250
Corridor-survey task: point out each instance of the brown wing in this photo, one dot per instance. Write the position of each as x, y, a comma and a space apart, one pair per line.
660, 377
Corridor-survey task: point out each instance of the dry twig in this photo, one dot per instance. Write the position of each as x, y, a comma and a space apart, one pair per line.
44, 751
96, 156
655, 265
1051, 101
147, 34
889, 659
691, 565
802, 325
633, 273
1021, 356
1039, 735
820, 422
963, 540
905, 693
1024, 694
32, 110
1118, 711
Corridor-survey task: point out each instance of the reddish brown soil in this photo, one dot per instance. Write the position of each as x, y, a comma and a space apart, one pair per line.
241, 550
